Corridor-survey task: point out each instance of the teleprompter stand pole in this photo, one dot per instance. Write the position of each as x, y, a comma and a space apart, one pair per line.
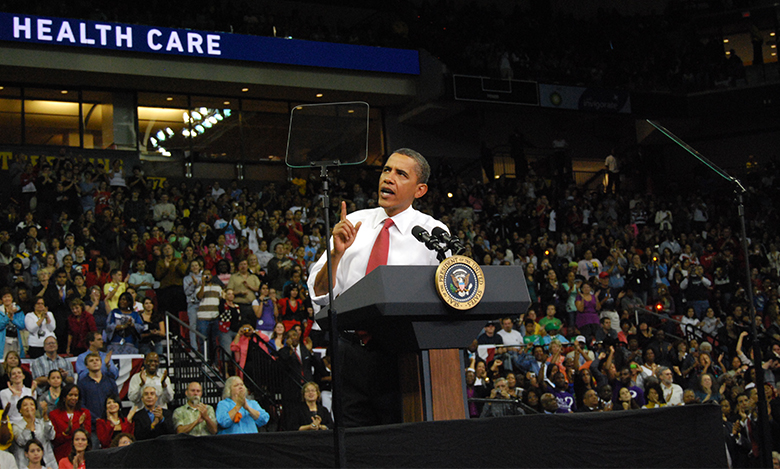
339, 450
764, 432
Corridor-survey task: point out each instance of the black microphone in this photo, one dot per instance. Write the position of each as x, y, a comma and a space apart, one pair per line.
424, 237
452, 242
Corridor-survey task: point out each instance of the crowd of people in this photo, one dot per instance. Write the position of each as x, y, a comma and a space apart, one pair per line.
661, 51
92, 258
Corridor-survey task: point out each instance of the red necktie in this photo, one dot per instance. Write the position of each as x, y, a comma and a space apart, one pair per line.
381, 246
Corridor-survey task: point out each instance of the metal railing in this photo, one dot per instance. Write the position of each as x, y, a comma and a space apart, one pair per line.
517, 403
168, 317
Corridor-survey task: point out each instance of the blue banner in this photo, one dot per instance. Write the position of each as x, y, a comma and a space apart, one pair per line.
49, 31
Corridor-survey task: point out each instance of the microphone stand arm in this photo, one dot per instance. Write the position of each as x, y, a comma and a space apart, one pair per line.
765, 437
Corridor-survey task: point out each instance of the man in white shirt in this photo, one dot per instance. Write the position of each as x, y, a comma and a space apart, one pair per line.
673, 393
151, 376
508, 334
404, 178
369, 393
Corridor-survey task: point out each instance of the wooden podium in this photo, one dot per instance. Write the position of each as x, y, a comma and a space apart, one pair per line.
400, 304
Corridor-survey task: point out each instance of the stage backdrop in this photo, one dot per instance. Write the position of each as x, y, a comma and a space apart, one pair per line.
681, 437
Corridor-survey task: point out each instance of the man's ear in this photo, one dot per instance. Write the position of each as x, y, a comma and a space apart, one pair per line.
420, 191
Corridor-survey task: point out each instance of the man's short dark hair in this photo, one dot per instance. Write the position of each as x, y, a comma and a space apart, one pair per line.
92, 335
422, 168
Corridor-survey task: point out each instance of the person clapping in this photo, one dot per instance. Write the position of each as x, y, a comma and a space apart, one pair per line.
236, 413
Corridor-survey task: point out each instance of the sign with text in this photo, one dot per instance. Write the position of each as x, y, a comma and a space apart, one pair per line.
50, 31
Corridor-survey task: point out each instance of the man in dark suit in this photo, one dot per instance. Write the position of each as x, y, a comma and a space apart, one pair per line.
152, 421
298, 364
57, 295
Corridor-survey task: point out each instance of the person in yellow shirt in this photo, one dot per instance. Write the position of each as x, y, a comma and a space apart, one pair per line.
113, 289
6, 431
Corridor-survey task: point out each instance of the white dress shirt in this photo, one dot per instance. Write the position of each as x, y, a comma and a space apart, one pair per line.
404, 247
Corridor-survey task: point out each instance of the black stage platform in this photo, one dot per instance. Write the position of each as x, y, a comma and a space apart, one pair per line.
680, 437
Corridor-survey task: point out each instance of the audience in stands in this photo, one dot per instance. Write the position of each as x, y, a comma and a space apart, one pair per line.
503, 222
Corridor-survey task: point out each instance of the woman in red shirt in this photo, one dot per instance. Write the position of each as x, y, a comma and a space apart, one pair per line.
68, 416
114, 423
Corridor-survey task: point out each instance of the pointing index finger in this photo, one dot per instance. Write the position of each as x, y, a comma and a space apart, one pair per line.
343, 210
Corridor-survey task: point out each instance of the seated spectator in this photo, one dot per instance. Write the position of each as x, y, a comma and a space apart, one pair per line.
32, 428
552, 334
50, 361
11, 322
194, 417
96, 387
489, 336
590, 402
625, 401
237, 414
15, 391
563, 394
151, 376
654, 398
67, 417
80, 323
494, 409
151, 420
95, 341
124, 327
80, 444
40, 324
508, 334
114, 423
549, 403
310, 414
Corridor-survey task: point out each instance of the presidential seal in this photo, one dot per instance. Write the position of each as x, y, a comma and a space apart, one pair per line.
460, 282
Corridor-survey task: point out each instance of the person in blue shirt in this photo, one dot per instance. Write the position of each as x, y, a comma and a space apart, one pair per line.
11, 321
95, 341
124, 326
237, 414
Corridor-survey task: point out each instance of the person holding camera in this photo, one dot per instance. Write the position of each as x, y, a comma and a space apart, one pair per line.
498, 409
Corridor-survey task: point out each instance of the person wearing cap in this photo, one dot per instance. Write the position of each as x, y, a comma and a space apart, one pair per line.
489, 336
584, 355
552, 334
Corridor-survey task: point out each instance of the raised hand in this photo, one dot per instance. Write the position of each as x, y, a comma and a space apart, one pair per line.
344, 232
